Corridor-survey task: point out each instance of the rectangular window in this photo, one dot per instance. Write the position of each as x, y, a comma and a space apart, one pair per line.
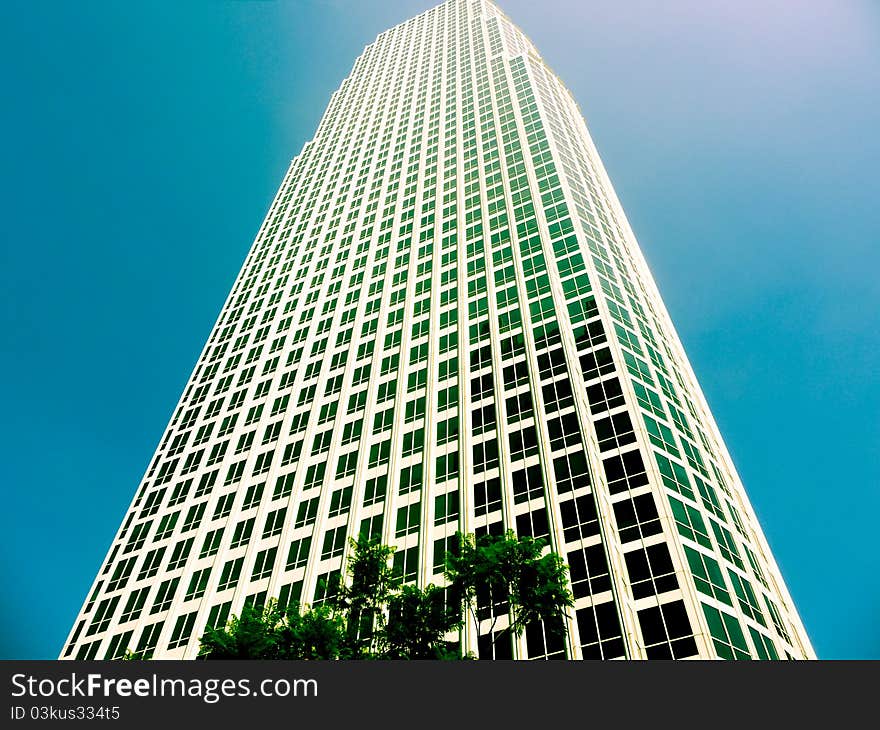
408, 518
221, 510
707, 575
314, 475
726, 545
660, 435
379, 454
334, 543
571, 471
579, 518
118, 645
667, 631
727, 635
264, 563
165, 595
346, 465
211, 544
121, 574
371, 527
149, 640
485, 455
252, 496
410, 479
375, 490
446, 508
180, 554
690, 522
406, 564
298, 555
197, 584
138, 536
242, 533
306, 513
674, 476
745, 596
274, 522
413, 442
134, 605
182, 630
218, 615
340, 501
103, 615
230, 574
600, 633
446, 467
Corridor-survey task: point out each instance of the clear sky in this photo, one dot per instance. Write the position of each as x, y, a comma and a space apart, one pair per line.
142, 145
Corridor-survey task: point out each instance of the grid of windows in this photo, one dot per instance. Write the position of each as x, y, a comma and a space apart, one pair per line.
445, 323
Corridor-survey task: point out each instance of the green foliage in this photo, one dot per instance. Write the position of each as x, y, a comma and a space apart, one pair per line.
540, 593
264, 632
364, 598
317, 633
253, 635
418, 621
372, 616
510, 574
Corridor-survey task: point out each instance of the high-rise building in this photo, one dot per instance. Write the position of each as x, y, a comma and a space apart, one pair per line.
445, 323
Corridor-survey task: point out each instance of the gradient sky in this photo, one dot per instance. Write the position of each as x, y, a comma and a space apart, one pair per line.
143, 142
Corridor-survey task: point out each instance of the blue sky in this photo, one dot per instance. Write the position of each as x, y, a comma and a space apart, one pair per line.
143, 143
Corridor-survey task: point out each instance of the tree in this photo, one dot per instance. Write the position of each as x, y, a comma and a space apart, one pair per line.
418, 621
363, 600
253, 635
385, 620
510, 576
316, 633
265, 632
373, 616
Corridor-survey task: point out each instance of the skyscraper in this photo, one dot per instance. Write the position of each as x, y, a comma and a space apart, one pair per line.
445, 323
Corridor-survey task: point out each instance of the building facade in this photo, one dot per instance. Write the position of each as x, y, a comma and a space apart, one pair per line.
445, 323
